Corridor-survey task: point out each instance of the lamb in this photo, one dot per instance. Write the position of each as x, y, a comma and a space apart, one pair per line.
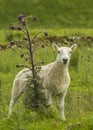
55, 79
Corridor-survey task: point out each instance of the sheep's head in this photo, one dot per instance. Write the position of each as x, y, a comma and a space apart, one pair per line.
64, 53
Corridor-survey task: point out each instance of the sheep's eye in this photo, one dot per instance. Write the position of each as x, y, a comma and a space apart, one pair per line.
58, 51
70, 52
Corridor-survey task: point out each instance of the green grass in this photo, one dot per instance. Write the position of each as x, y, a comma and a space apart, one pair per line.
5, 34
79, 99
57, 17
51, 14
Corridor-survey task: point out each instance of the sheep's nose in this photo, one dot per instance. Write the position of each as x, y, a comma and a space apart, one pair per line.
65, 60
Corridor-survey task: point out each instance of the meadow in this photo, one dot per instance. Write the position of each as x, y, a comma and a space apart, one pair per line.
58, 18
69, 14
79, 98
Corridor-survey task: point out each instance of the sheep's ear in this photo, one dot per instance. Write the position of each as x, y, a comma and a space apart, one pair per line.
73, 47
55, 46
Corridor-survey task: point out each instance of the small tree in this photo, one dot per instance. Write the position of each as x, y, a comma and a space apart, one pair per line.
33, 97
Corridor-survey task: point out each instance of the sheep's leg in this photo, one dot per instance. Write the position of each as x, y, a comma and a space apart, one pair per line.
13, 101
48, 97
61, 105
16, 93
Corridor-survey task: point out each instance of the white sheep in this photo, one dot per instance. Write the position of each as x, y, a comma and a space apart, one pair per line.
55, 79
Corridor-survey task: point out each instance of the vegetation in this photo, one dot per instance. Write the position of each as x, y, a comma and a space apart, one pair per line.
78, 100
69, 14
73, 18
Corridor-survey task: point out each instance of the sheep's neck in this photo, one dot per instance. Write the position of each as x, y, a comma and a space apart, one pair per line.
59, 69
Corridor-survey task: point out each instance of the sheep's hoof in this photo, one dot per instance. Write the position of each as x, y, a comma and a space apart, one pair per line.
63, 118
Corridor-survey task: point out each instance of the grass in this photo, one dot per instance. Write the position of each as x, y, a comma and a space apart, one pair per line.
73, 14
6, 34
73, 18
78, 103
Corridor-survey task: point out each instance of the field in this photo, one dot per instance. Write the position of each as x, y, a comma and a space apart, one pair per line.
79, 99
59, 18
69, 14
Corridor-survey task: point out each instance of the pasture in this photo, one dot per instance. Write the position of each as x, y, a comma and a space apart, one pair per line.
67, 13
79, 98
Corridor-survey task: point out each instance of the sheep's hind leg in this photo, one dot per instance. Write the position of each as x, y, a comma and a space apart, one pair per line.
12, 102
16, 93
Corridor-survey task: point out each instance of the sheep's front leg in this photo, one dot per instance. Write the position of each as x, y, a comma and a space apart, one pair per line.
48, 97
60, 105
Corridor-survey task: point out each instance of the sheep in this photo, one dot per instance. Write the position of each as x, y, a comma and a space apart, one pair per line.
55, 79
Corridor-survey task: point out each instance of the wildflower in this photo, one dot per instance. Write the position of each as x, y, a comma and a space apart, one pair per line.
20, 17
19, 28
42, 62
23, 23
45, 33
12, 27
34, 18
17, 66
12, 43
22, 55
42, 46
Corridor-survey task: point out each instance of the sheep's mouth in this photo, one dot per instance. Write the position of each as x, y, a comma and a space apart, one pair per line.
65, 62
